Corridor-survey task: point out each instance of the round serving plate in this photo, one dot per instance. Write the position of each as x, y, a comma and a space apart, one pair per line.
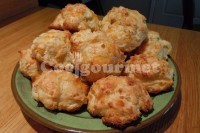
81, 121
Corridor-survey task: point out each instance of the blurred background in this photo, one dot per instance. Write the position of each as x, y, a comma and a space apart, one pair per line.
176, 13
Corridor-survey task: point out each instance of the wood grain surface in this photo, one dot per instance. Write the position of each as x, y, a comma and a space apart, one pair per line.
184, 117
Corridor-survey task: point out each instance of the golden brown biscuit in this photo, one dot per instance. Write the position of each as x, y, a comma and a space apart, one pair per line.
155, 73
76, 17
60, 90
96, 51
155, 45
53, 48
126, 27
29, 66
118, 100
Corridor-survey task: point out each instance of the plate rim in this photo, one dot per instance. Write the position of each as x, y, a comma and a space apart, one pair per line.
57, 127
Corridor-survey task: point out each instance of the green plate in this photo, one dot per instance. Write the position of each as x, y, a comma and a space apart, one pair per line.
82, 121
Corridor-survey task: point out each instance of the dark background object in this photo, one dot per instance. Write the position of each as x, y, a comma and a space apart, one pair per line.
188, 12
92, 4
167, 12
11, 10
58, 3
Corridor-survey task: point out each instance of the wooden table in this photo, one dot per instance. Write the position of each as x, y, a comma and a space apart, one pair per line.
184, 116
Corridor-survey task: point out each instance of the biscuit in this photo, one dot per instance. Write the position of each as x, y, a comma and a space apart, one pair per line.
53, 48
119, 100
155, 45
96, 50
60, 90
76, 17
154, 73
28, 66
126, 27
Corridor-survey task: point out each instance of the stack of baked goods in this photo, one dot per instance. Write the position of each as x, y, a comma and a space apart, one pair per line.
82, 60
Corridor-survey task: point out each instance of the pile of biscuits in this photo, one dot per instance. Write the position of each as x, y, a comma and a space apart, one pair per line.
126, 63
